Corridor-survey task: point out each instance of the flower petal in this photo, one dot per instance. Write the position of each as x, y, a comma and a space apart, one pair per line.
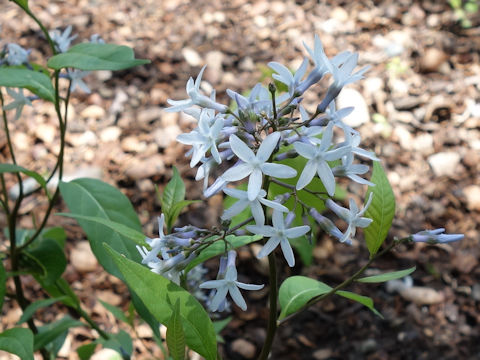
307, 174
237, 172
278, 170
287, 252
254, 184
267, 147
241, 149
298, 231
237, 297
271, 244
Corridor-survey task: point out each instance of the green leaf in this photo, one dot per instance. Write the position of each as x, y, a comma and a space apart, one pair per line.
55, 233
60, 289
90, 56
50, 332
86, 351
297, 291
22, 3
119, 228
30, 310
3, 284
12, 168
218, 248
364, 300
49, 259
117, 312
219, 326
94, 198
175, 335
387, 276
173, 193
37, 82
18, 341
120, 342
157, 293
176, 210
381, 210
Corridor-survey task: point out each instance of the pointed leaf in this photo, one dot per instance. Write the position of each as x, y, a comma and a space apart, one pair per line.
93, 56
30, 310
176, 210
157, 293
364, 300
387, 276
37, 82
94, 198
175, 335
218, 248
50, 332
22, 3
86, 351
120, 342
51, 259
12, 168
18, 341
297, 291
381, 210
173, 193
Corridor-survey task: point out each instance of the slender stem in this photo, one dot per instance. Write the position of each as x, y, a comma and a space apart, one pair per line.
44, 30
272, 294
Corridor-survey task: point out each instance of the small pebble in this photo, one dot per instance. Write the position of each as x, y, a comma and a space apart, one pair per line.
244, 348
82, 258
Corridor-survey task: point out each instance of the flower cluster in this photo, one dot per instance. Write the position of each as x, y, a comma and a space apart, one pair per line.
252, 139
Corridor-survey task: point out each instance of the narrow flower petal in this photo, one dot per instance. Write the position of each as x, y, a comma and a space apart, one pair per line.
307, 175
287, 252
237, 297
254, 184
238, 172
267, 147
280, 171
240, 149
298, 231
271, 245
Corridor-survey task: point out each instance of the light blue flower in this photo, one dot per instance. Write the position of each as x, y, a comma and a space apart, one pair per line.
63, 39
317, 156
17, 55
76, 76
19, 101
436, 236
157, 245
204, 138
351, 170
255, 205
285, 76
278, 234
352, 140
196, 98
227, 283
353, 216
255, 165
326, 224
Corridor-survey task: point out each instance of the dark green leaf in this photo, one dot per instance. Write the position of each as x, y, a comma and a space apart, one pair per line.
387, 276
117, 312
49, 257
175, 335
297, 291
145, 314
18, 341
381, 210
60, 289
219, 326
156, 292
120, 342
3, 283
55, 233
218, 248
173, 193
50, 332
12, 168
37, 82
364, 300
91, 56
94, 198
176, 209
30, 310
119, 228
86, 351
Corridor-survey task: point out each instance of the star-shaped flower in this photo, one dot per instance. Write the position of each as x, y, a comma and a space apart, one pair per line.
17, 55
196, 98
436, 236
63, 39
351, 170
255, 165
352, 216
76, 76
204, 138
317, 156
227, 283
285, 76
278, 234
19, 101
255, 205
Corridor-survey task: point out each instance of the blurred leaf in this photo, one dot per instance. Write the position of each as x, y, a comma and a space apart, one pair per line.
381, 210
30, 309
37, 82
117, 312
364, 300
156, 292
22, 3
50, 259
387, 276
60, 289
175, 335
219, 326
18, 341
173, 194
12, 168
86, 351
94, 56
50, 332
120, 342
